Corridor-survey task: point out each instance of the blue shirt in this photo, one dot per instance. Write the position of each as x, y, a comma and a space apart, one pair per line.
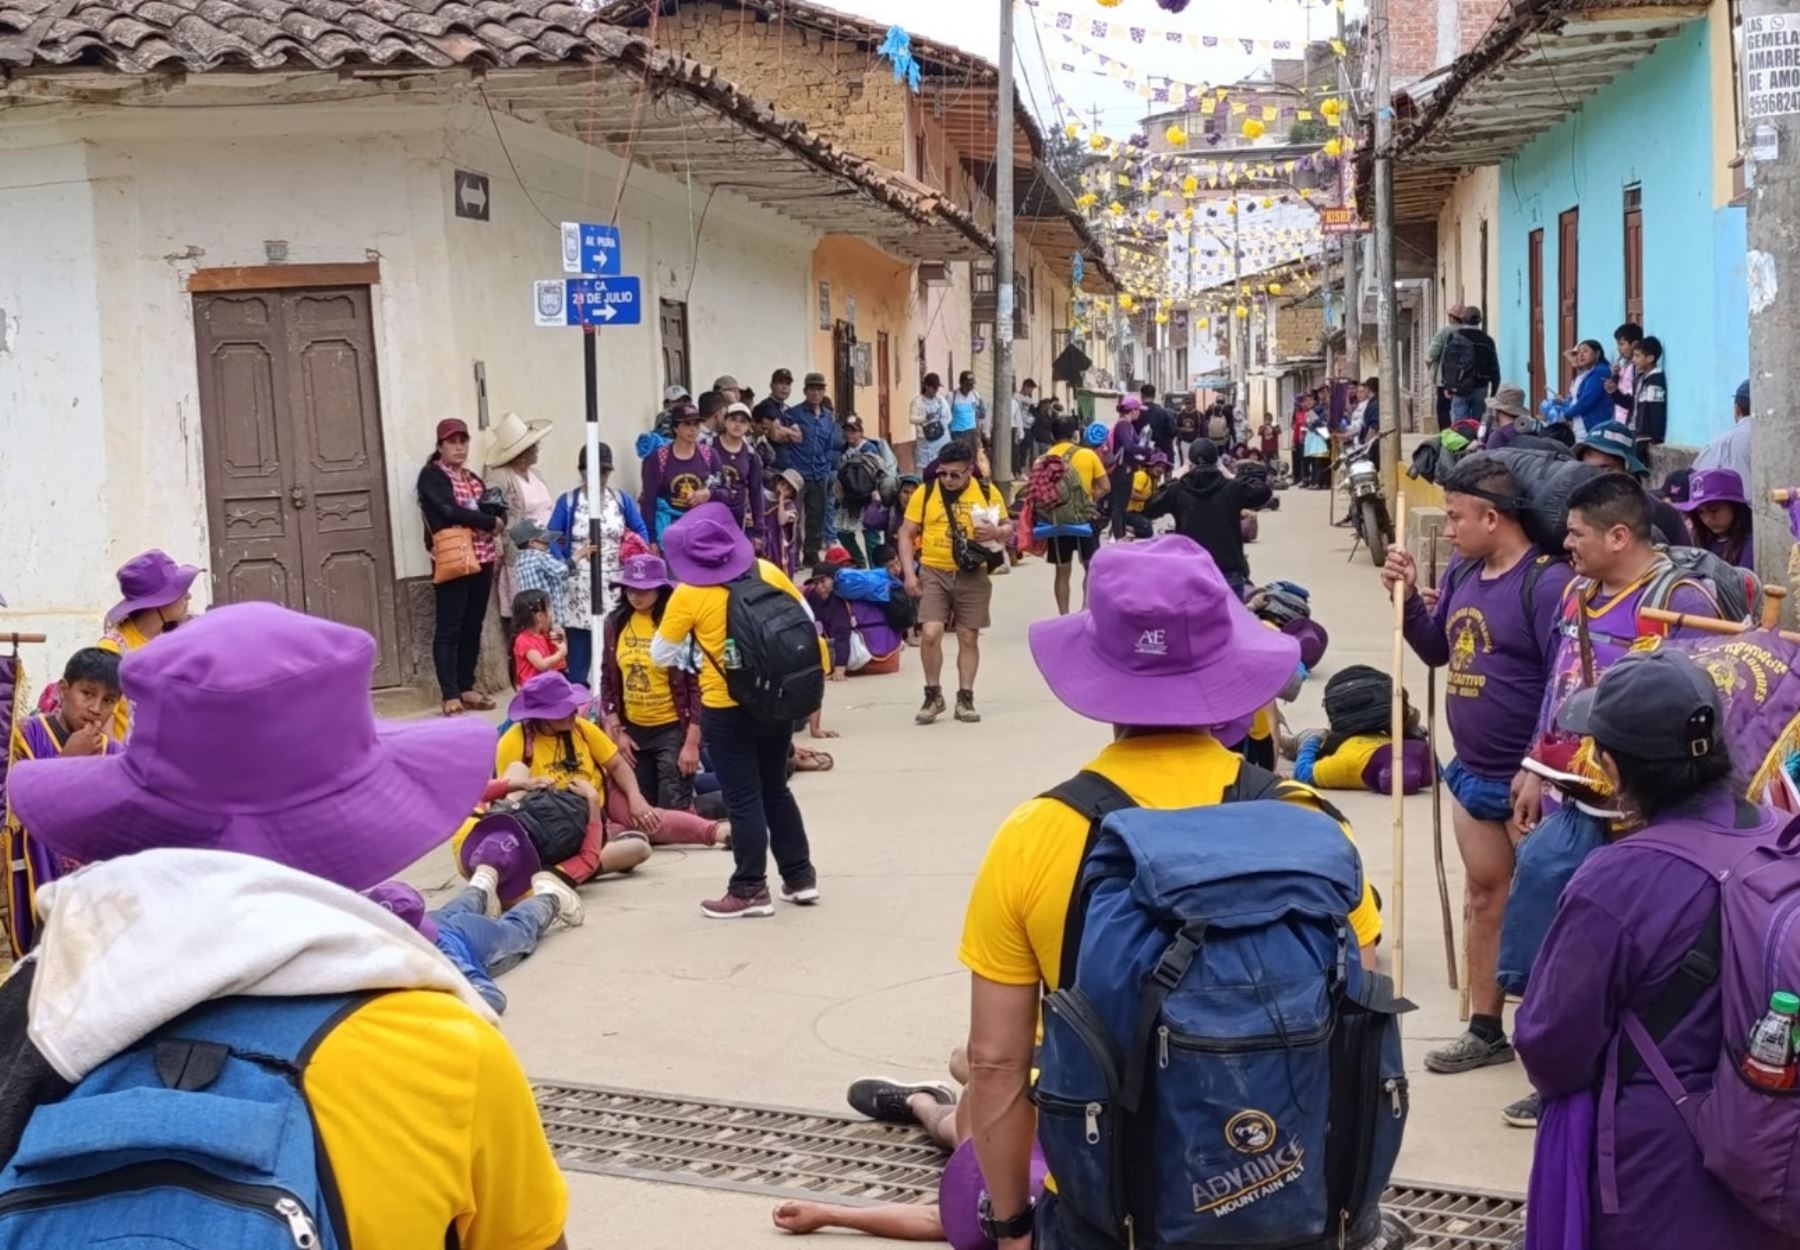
813, 456
965, 411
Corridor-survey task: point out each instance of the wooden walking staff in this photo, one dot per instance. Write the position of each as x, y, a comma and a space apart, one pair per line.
1437, 796
1396, 747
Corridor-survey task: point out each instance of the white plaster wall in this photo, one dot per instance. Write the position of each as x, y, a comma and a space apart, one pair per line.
1474, 198
99, 407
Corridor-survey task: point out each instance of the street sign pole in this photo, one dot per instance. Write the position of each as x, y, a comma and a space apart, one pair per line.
1000, 411
590, 356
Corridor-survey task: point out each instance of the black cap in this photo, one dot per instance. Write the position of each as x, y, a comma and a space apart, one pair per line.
606, 459
1654, 705
821, 570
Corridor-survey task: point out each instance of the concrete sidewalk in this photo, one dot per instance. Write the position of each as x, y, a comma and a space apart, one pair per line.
790, 1010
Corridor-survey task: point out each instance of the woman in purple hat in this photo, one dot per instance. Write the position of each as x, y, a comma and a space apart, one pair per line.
1718, 515
156, 594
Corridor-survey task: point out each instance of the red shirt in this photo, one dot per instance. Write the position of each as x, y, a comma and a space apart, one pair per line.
1271, 441
528, 643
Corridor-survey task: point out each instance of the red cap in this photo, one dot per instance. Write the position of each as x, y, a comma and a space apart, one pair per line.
450, 427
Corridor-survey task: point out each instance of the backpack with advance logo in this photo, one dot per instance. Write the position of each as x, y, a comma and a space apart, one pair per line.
199, 1135
1750, 947
1217, 1068
771, 664
1056, 491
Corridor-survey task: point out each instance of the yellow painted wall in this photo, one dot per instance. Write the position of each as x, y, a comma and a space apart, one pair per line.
1724, 100
883, 290
1474, 198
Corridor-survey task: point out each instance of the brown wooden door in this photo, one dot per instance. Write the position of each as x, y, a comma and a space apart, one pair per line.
884, 387
673, 314
296, 486
1568, 328
1634, 255
1534, 278
843, 369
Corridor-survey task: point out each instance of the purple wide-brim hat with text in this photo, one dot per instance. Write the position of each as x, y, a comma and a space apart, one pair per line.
406, 903
644, 571
252, 731
150, 580
499, 841
1311, 636
548, 696
707, 547
1713, 486
1164, 641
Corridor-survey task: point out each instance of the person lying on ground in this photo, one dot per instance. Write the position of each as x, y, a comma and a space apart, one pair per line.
863, 643
1355, 751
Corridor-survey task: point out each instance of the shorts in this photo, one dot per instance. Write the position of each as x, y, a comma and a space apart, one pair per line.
1482, 798
958, 600
1063, 548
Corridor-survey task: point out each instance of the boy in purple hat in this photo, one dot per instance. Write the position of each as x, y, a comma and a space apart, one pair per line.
1168, 655
427, 1120
1719, 516
155, 597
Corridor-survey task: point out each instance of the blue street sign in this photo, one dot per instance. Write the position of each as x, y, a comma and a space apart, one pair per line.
603, 301
590, 248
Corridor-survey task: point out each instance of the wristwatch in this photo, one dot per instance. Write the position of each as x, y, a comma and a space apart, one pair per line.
1019, 1225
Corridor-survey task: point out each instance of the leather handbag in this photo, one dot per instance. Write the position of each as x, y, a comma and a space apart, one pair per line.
453, 554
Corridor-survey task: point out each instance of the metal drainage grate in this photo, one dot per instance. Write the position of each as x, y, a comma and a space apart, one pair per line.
783, 1152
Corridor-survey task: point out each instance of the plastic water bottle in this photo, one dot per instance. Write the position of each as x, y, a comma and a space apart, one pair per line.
1769, 1053
732, 659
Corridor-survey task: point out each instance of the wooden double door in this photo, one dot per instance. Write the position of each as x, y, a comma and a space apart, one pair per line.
296, 487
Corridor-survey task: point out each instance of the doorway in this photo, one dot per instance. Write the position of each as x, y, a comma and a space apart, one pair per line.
843, 368
884, 387
1534, 277
1634, 254
1568, 329
296, 484
672, 314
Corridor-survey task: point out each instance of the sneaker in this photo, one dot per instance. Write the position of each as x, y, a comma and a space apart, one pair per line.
932, 708
804, 892
1523, 1113
738, 907
485, 879
965, 707
1467, 1053
569, 909
889, 1102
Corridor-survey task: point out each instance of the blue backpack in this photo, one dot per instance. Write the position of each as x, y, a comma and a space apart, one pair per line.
199, 1135
1217, 1068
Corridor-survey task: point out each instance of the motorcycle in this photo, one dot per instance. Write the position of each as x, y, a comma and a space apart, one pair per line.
1368, 506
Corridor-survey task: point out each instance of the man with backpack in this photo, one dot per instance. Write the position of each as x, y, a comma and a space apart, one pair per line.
1493, 622
1208, 504
745, 629
1434, 357
1066, 486
1158, 423
1667, 945
1469, 368
958, 524
216, 1014
809, 444
1150, 1130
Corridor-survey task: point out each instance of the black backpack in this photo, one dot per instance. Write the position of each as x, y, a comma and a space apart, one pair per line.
861, 477
1469, 361
771, 665
1359, 700
556, 821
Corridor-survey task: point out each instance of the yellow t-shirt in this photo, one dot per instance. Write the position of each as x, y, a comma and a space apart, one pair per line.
1085, 462
592, 752
428, 1121
1141, 486
1343, 768
1013, 931
935, 551
649, 702
701, 611
133, 638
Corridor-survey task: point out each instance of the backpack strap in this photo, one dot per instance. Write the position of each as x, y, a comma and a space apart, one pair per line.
1255, 783
1697, 973
1096, 798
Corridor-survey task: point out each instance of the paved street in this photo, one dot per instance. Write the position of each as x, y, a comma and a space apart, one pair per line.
790, 1010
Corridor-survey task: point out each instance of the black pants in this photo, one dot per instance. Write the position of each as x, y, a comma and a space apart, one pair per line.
659, 775
751, 760
1297, 458
818, 500
1139, 525
456, 638
1120, 497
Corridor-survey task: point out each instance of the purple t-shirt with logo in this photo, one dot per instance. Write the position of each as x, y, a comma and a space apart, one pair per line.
1498, 653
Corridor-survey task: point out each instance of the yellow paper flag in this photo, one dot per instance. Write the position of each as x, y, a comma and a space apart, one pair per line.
1269, 112
1337, 45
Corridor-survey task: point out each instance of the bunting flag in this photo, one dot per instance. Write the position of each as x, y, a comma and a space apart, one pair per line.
1162, 89
1103, 28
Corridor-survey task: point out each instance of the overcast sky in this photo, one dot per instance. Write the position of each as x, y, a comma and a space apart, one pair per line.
974, 25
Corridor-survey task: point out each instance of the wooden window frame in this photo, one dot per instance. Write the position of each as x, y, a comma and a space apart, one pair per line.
283, 277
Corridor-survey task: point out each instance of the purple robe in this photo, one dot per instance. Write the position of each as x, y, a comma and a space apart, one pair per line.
31, 865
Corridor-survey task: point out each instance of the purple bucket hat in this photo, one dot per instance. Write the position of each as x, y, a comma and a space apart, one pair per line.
150, 580
1164, 641
406, 903
548, 696
707, 547
1312, 639
644, 572
1713, 486
218, 710
501, 842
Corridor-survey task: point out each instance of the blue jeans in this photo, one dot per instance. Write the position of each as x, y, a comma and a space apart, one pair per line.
1481, 797
1470, 406
483, 948
581, 656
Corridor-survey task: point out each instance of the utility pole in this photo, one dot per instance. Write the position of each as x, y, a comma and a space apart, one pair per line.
1240, 345
1384, 257
1001, 403
1772, 129
1349, 243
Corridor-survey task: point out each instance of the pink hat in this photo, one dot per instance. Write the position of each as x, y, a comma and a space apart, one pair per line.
252, 731
150, 580
1131, 403
1163, 641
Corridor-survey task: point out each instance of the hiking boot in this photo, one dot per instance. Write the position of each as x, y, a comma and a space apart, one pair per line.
1466, 1053
932, 708
485, 879
1523, 1113
569, 909
890, 1102
801, 890
738, 906
965, 707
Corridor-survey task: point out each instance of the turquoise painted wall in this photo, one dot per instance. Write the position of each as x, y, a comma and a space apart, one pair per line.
1652, 127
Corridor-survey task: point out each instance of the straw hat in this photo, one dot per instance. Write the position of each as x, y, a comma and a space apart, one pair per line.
512, 438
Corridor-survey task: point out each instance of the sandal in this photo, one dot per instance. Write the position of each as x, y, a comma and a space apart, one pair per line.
810, 761
476, 701
453, 707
